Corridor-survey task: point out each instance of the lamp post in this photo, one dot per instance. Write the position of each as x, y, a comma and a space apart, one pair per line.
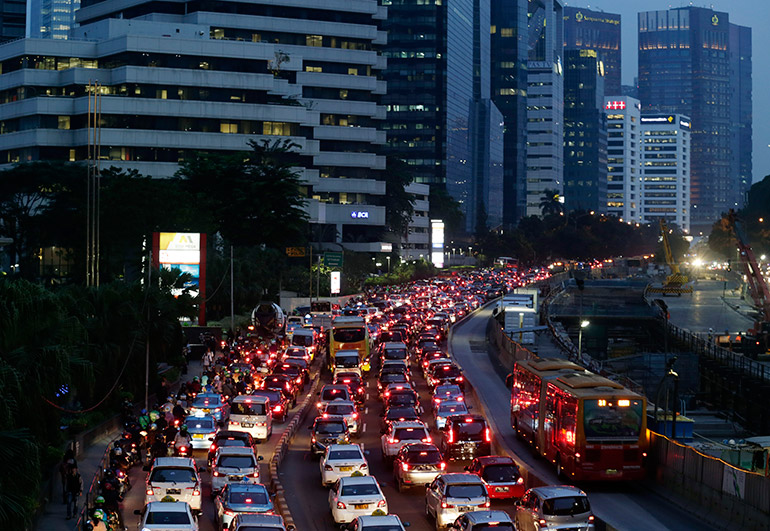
388, 259
583, 324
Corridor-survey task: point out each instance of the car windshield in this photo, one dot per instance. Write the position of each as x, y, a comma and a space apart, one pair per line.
168, 518
339, 409
256, 498
362, 489
330, 427
332, 394
501, 473
302, 340
346, 361
344, 454
470, 430
457, 409
236, 461
395, 354
465, 491
393, 377
274, 396
410, 434
247, 408
348, 335
232, 441
206, 402
566, 506
399, 412
172, 475
448, 390
199, 423
428, 456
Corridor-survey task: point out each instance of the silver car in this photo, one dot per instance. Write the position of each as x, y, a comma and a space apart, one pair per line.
451, 495
417, 465
558, 506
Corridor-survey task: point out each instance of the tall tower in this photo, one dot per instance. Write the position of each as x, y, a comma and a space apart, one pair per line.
585, 29
624, 183
693, 61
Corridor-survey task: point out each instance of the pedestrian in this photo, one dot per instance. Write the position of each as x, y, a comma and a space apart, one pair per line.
208, 359
74, 489
67, 460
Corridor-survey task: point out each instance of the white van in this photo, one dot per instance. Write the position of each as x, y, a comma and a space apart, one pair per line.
347, 361
252, 414
304, 337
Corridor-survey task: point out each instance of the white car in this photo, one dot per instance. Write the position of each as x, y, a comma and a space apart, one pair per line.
447, 409
356, 496
347, 409
400, 433
162, 516
176, 477
385, 522
234, 465
342, 460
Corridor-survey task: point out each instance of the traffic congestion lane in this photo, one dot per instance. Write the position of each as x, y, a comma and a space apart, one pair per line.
625, 506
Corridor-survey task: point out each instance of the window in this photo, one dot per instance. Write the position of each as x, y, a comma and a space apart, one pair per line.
313, 40
228, 127
64, 122
313, 69
506, 32
352, 71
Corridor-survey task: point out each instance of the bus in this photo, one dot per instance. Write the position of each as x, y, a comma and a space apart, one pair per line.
590, 427
506, 262
349, 333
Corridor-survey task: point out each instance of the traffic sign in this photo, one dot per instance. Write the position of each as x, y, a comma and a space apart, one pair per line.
295, 252
333, 259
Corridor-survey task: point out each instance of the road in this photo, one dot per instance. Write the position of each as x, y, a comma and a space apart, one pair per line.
706, 309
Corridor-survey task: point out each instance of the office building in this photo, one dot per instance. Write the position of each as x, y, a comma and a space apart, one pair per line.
666, 169
585, 29
509, 92
585, 132
694, 62
13, 15
545, 103
624, 190
416, 243
177, 84
51, 19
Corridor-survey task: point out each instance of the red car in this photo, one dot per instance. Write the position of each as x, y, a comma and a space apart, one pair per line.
501, 476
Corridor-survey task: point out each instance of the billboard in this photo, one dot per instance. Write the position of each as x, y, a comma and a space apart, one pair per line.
185, 251
336, 281
437, 242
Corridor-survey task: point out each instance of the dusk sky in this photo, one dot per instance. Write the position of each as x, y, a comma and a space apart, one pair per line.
752, 13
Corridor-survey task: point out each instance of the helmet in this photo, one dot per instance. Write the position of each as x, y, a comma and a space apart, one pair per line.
109, 473
118, 450
183, 429
195, 378
166, 408
99, 500
170, 398
99, 515
153, 426
144, 411
154, 415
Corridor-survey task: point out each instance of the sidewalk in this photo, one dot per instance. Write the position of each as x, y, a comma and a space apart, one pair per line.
54, 514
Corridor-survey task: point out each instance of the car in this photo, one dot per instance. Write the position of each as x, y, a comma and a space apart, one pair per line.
162, 516
393, 350
340, 460
327, 430
400, 433
210, 404
294, 372
500, 474
447, 409
392, 378
428, 368
354, 496
331, 392
447, 392
417, 464
555, 506
449, 495
347, 360
259, 522
253, 414
176, 478
446, 374
378, 522
396, 366
229, 438
234, 465
355, 385
286, 383
297, 352
396, 413
483, 521
466, 437
302, 364
241, 498
278, 401
346, 409
402, 397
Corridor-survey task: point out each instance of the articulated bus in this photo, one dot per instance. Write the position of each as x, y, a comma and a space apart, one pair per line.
348, 333
590, 427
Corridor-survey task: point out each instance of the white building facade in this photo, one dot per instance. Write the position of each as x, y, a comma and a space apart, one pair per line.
212, 80
624, 180
666, 169
416, 244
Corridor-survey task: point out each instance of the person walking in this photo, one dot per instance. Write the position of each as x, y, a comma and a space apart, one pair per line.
208, 359
74, 489
67, 460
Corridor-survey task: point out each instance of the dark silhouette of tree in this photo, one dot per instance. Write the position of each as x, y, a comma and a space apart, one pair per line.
399, 204
550, 204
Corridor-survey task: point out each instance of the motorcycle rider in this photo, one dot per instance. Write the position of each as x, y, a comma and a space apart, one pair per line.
159, 447
144, 419
98, 520
110, 490
179, 412
183, 438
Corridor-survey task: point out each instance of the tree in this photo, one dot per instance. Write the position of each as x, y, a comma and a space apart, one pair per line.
446, 208
550, 204
399, 204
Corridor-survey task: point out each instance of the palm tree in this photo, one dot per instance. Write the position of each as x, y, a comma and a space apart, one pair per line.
550, 203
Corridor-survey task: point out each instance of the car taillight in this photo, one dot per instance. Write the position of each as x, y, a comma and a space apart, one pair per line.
591, 518
405, 467
313, 439
485, 504
427, 439
278, 408
488, 435
392, 440
196, 492
328, 467
228, 512
340, 505
149, 491
255, 474
319, 405
235, 423
442, 465
520, 481
445, 505
215, 474
450, 438
460, 378
363, 466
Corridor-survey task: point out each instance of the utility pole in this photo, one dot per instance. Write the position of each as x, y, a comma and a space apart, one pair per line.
310, 285
318, 278
147, 339
232, 291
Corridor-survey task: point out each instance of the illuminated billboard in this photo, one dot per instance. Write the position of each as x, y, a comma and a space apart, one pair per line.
336, 282
437, 242
185, 251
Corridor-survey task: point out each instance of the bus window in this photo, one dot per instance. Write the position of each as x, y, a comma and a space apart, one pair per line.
611, 419
348, 335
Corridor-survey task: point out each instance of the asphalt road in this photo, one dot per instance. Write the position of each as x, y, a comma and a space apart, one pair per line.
627, 506
705, 309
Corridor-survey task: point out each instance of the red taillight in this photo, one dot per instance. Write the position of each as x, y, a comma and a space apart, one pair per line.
427, 439
485, 504
340, 505
149, 491
445, 505
355, 415
460, 378
442, 465
405, 467
450, 438
520, 481
591, 518
488, 435
381, 503
542, 522
328, 468
216, 474
392, 440
278, 408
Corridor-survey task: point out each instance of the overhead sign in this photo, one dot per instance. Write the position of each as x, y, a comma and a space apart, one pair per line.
333, 259
295, 252
336, 282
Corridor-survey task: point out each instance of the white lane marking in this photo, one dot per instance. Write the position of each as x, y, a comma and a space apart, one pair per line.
364, 427
366, 410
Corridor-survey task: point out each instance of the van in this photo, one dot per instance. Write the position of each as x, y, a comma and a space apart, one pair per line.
304, 337
347, 361
251, 414
177, 478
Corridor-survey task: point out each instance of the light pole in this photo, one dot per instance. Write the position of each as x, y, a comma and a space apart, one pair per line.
583, 324
388, 259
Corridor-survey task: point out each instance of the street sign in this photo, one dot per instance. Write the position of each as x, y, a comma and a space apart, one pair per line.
332, 259
295, 252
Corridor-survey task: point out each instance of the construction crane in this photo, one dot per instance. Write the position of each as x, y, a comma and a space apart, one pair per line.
676, 282
757, 286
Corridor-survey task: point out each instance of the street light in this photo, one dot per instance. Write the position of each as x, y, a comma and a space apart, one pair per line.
584, 323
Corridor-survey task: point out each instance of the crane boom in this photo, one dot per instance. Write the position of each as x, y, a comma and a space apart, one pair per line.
677, 282
667, 248
758, 290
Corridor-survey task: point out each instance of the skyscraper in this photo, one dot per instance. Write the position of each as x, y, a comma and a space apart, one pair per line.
694, 62
509, 92
585, 29
12, 19
51, 19
585, 132
545, 102
624, 183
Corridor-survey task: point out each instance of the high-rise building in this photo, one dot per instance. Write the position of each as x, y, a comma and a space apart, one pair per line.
585, 132
176, 84
545, 102
509, 92
585, 29
13, 19
624, 183
666, 169
439, 114
51, 19
693, 61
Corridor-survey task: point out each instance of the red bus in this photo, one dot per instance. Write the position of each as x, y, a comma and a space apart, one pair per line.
590, 427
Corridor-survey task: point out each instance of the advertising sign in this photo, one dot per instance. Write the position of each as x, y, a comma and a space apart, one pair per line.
336, 282
437, 242
185, 251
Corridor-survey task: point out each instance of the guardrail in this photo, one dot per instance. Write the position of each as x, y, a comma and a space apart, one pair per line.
93, 489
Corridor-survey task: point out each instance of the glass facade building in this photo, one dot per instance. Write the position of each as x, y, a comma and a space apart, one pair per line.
694, 62
51, 19
13, 17
585, 132
585, 29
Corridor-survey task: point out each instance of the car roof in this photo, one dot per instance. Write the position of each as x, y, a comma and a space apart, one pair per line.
495, 460
408, 424
263, 519
557, 491
169, 507
338, 418
393, 344
462, 417
341, 402
236, 450
480, 517
251, 398
208, 395
236, 434
420, 447
343, 447
460, 477
334, 386
247, 487
385, 519
359, 480
452, 403
173, 461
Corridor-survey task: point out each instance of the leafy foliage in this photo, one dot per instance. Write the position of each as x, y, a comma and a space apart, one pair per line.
399, 204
